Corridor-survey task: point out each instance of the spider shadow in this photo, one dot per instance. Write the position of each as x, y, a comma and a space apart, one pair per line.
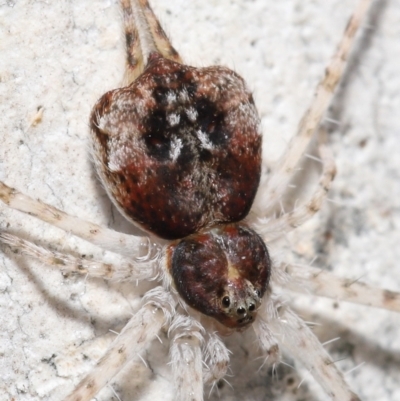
270, 383
251, 377
304, 180
339, 104
352, 343
248, 378
71, 308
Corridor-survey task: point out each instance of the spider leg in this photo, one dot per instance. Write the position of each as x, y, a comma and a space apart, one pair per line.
134, 55
142, 328
273, 229
143, 35
67, 263
300, 341
103, 237
161, 41
216, 358
261, 327
270, 193
308, 279
186, 358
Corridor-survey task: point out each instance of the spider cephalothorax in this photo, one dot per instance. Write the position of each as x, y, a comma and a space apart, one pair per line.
223, 272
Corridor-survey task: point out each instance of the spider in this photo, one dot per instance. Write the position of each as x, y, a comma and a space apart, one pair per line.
50, 360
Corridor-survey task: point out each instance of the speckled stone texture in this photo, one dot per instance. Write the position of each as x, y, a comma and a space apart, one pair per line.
64, 55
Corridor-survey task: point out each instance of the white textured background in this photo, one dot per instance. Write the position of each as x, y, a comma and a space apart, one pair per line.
63, 55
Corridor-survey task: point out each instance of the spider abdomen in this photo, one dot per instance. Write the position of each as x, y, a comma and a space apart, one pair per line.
222, 272
180, 148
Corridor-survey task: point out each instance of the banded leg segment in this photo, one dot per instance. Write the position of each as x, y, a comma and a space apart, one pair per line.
103, 237
300, 341
143, 327
271, 193
67, 263
143, 35
159, 36
306, 279
186, 358
134, 55
216, 360
273, 229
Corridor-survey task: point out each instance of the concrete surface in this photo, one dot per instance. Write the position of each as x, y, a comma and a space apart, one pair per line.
63, 55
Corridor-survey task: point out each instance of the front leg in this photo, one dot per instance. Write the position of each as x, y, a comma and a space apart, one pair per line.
157, 308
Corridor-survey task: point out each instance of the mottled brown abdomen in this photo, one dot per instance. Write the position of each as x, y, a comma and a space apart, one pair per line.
180, 148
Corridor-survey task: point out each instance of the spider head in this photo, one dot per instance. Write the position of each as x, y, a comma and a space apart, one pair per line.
222, 272
239, 303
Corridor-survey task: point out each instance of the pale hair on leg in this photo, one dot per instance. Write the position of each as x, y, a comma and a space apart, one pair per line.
198, 353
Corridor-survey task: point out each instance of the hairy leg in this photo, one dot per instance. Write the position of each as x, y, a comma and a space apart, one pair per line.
274, 228
67, 263
271, 193
103, 237
186, 358
142, 328
308, 279
295, 337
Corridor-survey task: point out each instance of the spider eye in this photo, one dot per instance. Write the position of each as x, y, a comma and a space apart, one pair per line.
226, 302
241, 310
